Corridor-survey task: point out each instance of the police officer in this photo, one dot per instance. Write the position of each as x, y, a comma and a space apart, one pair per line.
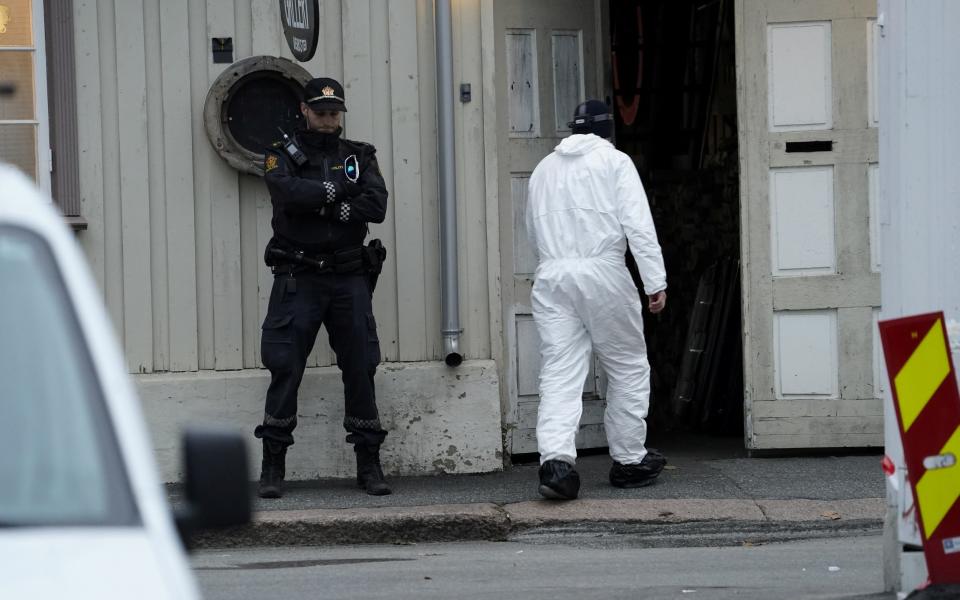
324, 190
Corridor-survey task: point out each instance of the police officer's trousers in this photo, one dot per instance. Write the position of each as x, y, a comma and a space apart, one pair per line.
299, 304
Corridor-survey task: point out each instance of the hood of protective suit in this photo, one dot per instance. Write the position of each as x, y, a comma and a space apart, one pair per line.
581, 144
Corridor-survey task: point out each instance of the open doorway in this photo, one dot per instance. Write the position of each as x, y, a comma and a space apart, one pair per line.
674, 100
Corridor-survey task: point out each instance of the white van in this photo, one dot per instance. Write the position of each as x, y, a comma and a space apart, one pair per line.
82, 511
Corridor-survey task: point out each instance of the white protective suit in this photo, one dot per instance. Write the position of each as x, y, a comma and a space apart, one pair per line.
585, 203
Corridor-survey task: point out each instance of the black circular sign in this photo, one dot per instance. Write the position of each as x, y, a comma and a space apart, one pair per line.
301, 26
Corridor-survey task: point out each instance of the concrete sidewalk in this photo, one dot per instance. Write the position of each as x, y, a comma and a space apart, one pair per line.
709, 494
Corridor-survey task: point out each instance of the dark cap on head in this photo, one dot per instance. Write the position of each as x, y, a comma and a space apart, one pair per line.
324, 93
594, 117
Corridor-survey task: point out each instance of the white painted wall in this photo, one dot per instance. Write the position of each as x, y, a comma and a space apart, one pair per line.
919, 196
176, 237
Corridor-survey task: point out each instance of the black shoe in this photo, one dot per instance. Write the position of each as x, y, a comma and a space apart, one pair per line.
272, 469
634, 476
559, 480
369, 471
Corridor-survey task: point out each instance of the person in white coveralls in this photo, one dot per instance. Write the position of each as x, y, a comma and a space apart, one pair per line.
585, 205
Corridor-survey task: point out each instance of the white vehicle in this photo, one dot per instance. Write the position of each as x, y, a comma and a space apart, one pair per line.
82, 511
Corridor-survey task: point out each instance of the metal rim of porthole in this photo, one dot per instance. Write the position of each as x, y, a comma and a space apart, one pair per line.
235, 80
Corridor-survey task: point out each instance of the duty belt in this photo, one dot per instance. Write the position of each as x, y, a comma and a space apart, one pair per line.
296, 261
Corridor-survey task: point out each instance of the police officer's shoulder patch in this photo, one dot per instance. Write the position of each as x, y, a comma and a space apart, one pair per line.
271, 163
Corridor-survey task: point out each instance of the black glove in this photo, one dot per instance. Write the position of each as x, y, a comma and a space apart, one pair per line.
351, 189
338, 211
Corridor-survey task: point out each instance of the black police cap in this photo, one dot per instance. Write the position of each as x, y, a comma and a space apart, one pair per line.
592, 116
325, 93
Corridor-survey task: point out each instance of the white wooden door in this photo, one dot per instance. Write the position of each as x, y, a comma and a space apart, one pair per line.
808, 145
548, 61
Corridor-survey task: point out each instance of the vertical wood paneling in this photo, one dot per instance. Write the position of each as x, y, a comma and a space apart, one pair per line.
492, 165
113, 246
224, 222
471, 197
407, 258
316, 66
179, 177
426, 47
851, 85
202, 158
89, 135
330, 45
176, 236
265, 29
267, 39
388, 326
135, 198
264, 276
156, 183
250, 189
251, 264
243, 29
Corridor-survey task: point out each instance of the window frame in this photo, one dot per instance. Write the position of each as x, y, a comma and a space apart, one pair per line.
41, 117
55, 106
61, 96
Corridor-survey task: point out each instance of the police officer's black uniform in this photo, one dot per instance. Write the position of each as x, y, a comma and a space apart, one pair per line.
324, 191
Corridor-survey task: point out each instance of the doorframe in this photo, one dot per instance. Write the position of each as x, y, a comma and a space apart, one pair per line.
499, 220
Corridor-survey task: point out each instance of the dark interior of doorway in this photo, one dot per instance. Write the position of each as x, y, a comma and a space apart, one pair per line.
674, 100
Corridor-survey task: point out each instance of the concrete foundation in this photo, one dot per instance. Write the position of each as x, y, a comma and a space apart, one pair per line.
441, 420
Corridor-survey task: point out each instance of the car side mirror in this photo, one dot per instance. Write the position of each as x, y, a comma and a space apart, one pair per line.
216, 487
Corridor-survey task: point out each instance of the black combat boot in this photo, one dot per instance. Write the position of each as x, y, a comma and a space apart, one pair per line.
369, 471
640, 475
272, 469
559, 480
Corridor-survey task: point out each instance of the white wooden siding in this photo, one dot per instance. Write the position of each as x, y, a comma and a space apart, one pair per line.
176, 236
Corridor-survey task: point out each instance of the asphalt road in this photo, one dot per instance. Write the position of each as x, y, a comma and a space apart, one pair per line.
837, 568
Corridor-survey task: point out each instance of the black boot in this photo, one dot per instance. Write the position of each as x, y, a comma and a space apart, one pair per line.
272, 469
640, 475
559, 480
369, 471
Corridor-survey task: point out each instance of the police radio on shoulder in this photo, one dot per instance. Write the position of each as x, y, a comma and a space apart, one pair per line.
294, 152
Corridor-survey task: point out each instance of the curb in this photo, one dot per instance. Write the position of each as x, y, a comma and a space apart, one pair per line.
401, 525
664, 522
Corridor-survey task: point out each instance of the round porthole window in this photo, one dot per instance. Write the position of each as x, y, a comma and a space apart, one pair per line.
248, 105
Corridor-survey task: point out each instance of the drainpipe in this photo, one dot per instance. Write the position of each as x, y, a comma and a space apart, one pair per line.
449, 291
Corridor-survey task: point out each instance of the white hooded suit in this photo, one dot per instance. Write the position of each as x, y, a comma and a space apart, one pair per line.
585, 203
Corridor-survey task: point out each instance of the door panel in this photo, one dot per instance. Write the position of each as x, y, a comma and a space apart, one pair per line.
811, 286
799, 80
547, 56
